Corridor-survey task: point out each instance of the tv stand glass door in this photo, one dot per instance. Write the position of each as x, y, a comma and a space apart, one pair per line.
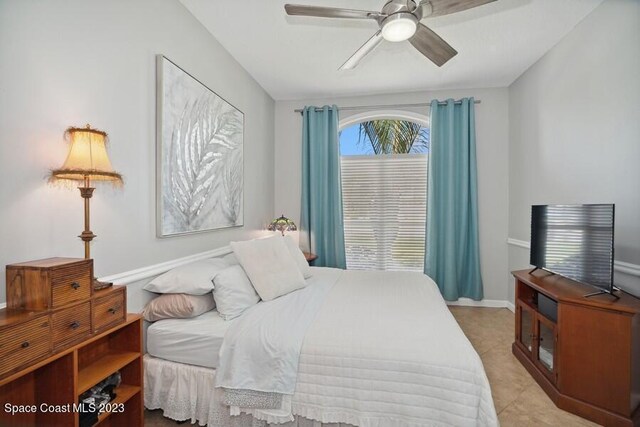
545, 344
536, 335
525, 327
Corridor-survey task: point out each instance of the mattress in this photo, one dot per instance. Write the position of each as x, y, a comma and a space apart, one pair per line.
194, 341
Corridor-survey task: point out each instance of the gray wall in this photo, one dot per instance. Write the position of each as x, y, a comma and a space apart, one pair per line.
77, 62
492, 140
575, 129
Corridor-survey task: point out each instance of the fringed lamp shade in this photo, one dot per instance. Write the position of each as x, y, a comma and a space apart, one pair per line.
87, 161
87, 157
282, 224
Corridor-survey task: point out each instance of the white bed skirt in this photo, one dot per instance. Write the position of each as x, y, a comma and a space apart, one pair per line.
187, 392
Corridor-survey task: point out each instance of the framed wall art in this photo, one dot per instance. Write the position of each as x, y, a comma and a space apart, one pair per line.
199, 155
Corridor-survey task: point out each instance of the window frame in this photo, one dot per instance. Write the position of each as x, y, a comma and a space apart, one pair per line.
412, 116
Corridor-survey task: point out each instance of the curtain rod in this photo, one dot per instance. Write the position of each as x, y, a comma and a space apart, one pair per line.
375, 107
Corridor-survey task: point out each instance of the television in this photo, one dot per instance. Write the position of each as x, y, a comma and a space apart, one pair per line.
575, 241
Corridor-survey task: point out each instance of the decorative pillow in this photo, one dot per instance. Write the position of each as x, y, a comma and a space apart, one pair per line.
233, 292
195, 278
298, 256
177, 306
269, 265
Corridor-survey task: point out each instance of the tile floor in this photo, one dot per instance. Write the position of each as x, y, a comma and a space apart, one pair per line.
518, 399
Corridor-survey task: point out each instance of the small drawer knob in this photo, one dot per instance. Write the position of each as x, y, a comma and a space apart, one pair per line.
74, 325
75, 285
113, 310
25, 344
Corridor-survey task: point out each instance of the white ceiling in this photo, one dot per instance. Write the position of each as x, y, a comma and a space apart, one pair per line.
298, 57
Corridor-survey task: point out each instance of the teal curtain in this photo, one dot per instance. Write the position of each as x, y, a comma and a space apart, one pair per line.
452, 257
321, 222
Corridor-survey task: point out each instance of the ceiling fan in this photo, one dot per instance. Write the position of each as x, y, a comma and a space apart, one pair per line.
399, 20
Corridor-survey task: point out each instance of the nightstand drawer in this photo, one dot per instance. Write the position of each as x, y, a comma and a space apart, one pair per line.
24, 343
48, 283
71, 324
109, 310
71, 284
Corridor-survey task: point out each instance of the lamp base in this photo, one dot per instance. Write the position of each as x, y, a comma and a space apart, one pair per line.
97, 284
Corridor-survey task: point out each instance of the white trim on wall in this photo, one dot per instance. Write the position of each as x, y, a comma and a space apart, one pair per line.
620, 266
486, 303
156, 269
519, 243
627, 268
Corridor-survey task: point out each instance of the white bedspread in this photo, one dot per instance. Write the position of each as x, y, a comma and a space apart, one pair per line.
384, 351
260, 351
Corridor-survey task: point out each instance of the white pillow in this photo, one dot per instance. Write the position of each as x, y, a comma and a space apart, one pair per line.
269, 265
298, 257
230, 259
195, 278
233, 292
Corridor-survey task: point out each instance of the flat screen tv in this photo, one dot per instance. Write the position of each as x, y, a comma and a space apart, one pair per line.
575, 241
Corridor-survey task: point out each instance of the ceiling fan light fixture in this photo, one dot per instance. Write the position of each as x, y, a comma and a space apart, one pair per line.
399, 27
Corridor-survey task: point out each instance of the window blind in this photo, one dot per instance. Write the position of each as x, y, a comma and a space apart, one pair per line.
384, 203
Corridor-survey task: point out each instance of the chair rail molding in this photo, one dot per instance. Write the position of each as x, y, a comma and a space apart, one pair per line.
620, 266
156, 269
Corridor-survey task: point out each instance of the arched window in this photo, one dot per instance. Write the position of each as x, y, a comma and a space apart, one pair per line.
384, 190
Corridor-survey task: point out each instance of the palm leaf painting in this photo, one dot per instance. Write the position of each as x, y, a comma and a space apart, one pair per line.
201, 163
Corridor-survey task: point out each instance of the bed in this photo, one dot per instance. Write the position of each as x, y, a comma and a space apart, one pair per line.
195, 341
382, 349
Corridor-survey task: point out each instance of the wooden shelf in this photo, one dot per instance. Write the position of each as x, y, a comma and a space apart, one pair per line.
102, 367
62, 377
124, 392
529, 304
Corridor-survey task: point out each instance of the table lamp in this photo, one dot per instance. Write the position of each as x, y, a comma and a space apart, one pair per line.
282, 224
87, 161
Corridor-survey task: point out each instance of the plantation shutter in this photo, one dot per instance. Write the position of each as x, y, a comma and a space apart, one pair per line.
384, 203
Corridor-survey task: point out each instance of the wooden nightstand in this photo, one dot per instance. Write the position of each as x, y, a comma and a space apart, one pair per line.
310, 257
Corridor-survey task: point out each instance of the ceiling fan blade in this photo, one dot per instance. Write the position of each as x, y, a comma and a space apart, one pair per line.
446, 7
364, 50
329, 12
432, 46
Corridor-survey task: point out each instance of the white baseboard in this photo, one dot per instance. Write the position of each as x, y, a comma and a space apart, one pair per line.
511, 307
620, 266
487, 303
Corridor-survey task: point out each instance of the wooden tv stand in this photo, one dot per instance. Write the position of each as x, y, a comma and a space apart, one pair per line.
584, 352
